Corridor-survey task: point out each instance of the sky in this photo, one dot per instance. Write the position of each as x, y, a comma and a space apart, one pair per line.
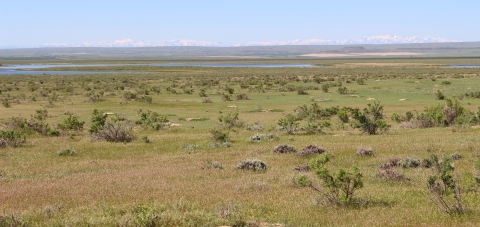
36, 22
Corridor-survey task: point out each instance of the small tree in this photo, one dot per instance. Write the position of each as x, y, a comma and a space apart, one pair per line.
371, 119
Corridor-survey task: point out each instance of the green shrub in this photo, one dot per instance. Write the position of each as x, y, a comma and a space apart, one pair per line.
342, 90
341, 185
302, 181
371, 119
289, 123
325, 87
444, 190
219, 135
202, 93
301, 91
439, 95
98, 121
11, 138
230, 120
144, 98
71, 123
145, 139
152, 120
343, 115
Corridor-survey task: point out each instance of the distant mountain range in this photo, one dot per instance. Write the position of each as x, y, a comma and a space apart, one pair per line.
386, 39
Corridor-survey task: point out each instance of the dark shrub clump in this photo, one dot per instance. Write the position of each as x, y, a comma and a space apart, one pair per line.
284, 148
311, 150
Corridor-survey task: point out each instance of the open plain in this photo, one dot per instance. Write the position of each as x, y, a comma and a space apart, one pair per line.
187, 130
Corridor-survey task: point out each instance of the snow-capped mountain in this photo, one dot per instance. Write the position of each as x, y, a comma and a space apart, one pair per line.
386, 39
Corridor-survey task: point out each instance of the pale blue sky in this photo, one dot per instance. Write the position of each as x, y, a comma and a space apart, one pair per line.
35, 22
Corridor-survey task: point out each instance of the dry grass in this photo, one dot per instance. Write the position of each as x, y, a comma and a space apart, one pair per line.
104, 184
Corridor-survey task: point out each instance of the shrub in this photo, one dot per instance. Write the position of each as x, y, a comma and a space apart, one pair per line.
342, 90
254, 127
314, 112
365, 151
431, 162
325, 87
304, 168
410, 162
144, 98
302, 181
252, 164
217, 144
229, 90
207, 100
311, 150
343, 115
371, 119
341, 185
71, 123
259, 137
11, 138
66, 151
226, 97
445, 190
116, 131
243, 97
393, 162
391, 175
301, 91
313, 127
395, 117
219, 135
284, 148
210, 165
289, 123
230, 120
98, 121
6, 103
145, 139
202, 93
439, 95
152, 120
455, 156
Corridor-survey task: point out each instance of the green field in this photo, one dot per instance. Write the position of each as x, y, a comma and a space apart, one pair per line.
179, 175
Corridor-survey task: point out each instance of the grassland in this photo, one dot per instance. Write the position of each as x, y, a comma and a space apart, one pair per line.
171, 181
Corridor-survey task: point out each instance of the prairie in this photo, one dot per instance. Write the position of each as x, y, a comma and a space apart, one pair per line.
179, 175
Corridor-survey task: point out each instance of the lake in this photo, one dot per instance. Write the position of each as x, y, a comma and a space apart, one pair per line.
30, 69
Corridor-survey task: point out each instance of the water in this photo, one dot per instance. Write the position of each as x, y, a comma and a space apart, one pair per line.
234, 65
464, 65
30, 69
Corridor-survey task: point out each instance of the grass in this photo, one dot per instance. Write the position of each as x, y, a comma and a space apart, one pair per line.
111, 184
